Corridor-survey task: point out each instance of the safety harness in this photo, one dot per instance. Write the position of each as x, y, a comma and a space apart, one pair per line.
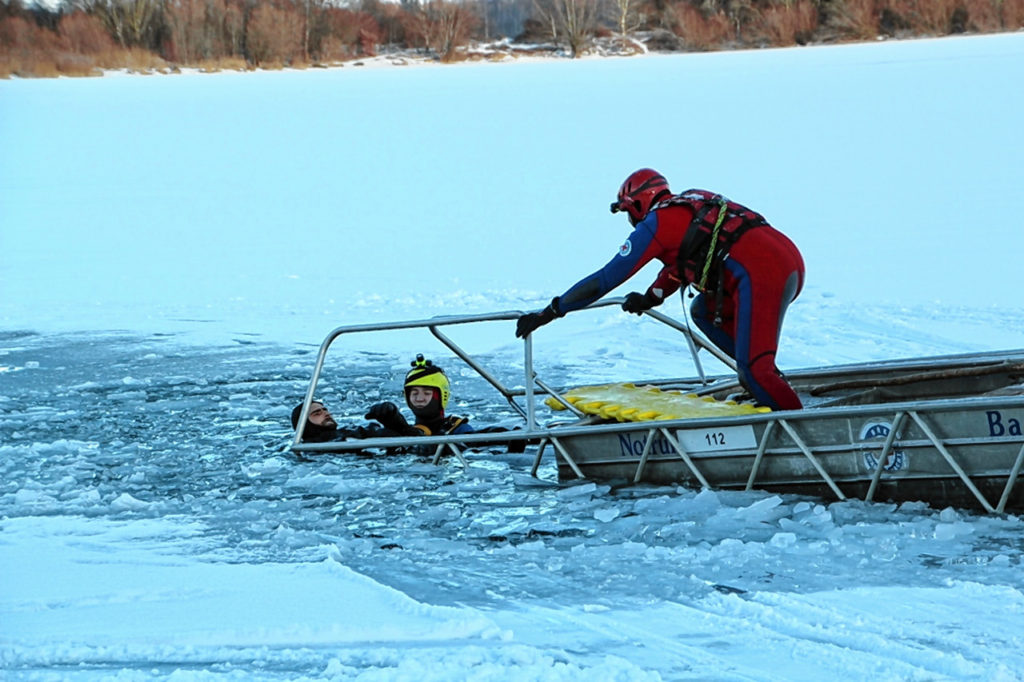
717, 224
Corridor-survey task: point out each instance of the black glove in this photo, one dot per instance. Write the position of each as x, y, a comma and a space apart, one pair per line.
530, 321
637, 303
388, 415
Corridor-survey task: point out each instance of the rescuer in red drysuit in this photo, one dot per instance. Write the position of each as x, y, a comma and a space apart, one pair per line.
746, 272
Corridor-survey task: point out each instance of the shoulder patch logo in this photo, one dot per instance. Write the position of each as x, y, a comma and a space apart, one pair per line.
626, 248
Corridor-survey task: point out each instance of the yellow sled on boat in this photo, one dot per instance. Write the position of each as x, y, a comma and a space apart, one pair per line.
630, 403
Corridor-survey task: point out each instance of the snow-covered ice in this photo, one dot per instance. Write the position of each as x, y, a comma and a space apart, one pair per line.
174, 249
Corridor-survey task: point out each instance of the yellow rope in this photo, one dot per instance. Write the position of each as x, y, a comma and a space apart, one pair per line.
712, 246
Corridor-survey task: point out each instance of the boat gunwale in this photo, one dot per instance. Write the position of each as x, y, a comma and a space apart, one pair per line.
568, 430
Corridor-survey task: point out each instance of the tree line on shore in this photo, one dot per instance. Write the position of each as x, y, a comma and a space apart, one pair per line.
84, 37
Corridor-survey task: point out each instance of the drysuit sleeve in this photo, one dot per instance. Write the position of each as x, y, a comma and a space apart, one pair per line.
368, 431
638, 250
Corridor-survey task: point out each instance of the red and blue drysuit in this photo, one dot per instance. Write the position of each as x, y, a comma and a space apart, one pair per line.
740, 308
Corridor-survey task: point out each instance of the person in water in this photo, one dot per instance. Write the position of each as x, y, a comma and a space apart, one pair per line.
427, 394
321, 427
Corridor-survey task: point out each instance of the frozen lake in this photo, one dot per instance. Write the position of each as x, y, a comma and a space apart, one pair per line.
176, 248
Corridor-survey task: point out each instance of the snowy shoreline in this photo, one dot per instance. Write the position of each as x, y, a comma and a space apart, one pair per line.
506, 53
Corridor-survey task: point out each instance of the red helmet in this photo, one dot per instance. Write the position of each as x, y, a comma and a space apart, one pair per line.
641, 190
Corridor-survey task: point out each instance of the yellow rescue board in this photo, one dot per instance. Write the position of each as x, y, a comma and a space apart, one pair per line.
631, 403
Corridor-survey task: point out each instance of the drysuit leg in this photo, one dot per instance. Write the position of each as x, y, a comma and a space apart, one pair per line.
768, 274
758, 321
754, 302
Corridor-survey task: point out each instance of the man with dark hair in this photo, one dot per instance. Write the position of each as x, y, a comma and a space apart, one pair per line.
322, 428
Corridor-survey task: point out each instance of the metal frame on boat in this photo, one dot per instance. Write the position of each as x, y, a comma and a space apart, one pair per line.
943, 430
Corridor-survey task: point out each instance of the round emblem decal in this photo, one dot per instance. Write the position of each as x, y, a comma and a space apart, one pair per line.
872, 431
626, 248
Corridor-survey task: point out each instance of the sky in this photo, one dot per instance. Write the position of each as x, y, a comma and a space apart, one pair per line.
174, 248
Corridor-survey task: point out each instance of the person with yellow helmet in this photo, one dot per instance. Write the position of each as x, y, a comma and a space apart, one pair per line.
427, 393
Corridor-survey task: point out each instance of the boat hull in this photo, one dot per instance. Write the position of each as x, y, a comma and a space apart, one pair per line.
964, 453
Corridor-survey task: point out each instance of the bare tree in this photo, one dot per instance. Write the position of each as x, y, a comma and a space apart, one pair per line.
229, 17
315, 26
578, 19
452, 22
133, 23
186, 21
442, 25
547, 16
274, 35
203, 29
571, 21
627, 19
739, 12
